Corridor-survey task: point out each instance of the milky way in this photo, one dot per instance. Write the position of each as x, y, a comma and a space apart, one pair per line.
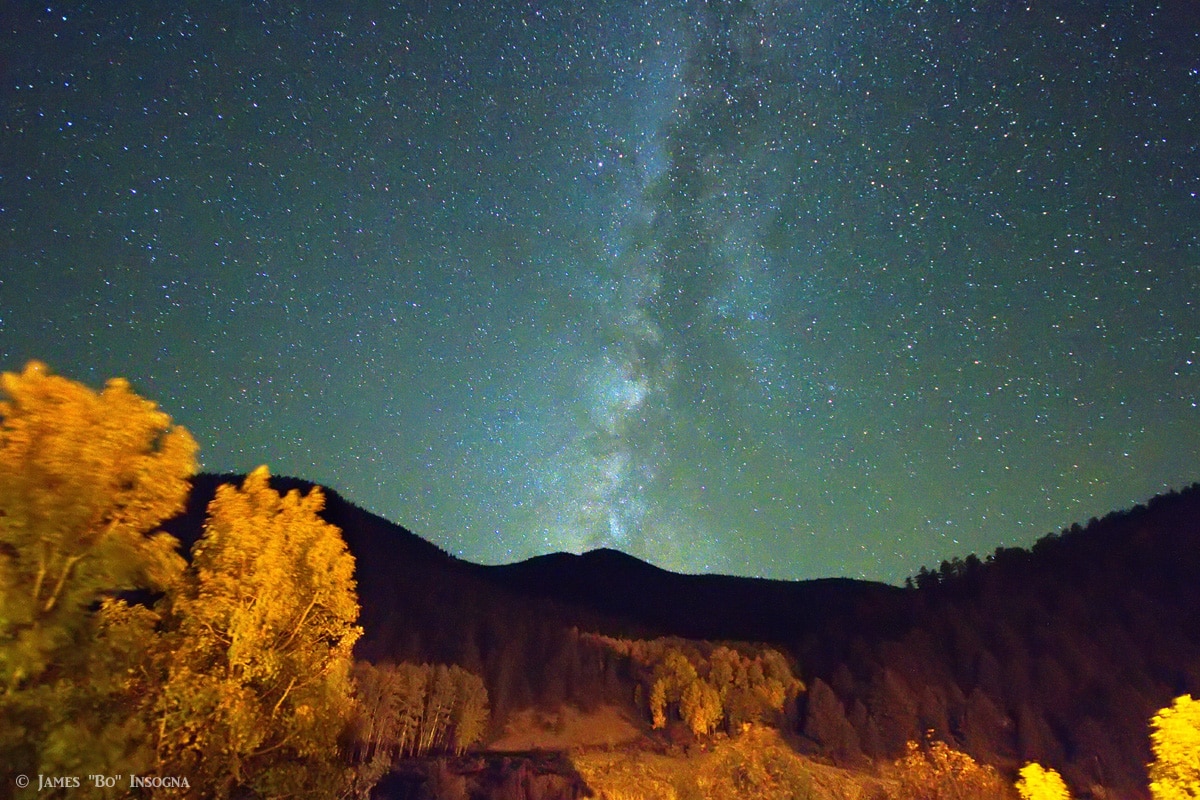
779, 289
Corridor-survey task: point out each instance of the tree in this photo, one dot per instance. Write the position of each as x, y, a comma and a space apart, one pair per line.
258, 684
86, 477
700, 707
411, 709
470, 714
1038, 783
439, 703
376, 726
410, 684
1175, 739
723, 665
936, 771
375, 732
672, 676
708, 686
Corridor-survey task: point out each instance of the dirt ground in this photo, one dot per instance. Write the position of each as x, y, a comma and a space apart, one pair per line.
565, 729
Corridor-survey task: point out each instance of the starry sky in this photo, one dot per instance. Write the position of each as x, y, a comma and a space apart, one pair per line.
763, 288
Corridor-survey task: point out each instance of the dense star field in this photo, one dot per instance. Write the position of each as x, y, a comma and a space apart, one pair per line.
770, 288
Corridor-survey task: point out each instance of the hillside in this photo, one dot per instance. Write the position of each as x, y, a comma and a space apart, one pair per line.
1057, 654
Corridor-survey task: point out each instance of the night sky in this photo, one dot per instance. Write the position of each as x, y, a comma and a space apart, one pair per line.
781, 289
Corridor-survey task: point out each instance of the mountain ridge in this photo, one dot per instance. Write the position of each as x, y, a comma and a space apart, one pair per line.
1058, 653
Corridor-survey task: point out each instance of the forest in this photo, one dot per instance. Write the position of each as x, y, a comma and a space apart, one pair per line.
256, 636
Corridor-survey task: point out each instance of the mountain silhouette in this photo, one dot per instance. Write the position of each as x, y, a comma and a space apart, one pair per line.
1058, 654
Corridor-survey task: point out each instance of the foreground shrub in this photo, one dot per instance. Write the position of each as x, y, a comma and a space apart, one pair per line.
935, 771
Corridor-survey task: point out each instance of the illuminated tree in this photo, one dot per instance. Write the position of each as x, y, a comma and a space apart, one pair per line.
1175, 738
723, 669
439, 702
376, 730
939, 772
672, 675
258, 686
751, 690
1038, 783
720, 687
86, 477
470, 714
375, 726
700, 707
410, 685
409, 709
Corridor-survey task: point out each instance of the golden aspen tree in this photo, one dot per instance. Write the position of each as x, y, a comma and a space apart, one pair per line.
1039, 783
439, 705
470, 714
374, 729
671, 676
675, 680
700, 707
778, 682
723, 668
411, 685
258, 686
86, 478
411, 709
1175, 739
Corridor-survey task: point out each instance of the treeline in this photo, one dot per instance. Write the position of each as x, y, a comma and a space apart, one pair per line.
932, 770
1059, 654
707, 686
413, 709
228, 657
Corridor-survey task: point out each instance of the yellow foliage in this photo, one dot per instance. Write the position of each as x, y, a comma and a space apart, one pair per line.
1175, 738
757, 766
658, 704
727, 687
396, 703
471, 714
700, 706
1039, 783
672, 676
238, 678
259, 680
939, 772
85, 479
